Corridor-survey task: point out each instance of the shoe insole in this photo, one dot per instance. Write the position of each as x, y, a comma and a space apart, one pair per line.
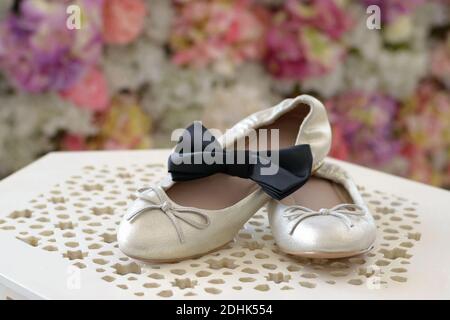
220, 191
319, 193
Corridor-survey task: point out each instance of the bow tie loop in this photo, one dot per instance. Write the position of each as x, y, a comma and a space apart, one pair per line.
172, 212
279, 175
341, 211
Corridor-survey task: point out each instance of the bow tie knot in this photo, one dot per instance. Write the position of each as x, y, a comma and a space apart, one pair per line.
238, 170
165, 206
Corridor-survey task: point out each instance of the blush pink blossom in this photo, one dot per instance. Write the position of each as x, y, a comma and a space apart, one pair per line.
205, 32
440, 61
303, 40
339, 146
123, 20
425, 125
91, 92
74, 142
324, 15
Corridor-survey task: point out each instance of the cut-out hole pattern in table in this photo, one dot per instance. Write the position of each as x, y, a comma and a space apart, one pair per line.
78, 218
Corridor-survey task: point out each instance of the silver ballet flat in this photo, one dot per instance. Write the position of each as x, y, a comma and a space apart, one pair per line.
305, 117
173, 220
326, 218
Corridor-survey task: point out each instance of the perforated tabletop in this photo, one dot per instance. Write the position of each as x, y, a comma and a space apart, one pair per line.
58, 221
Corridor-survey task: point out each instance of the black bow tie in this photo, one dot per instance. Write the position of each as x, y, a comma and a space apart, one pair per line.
205, 157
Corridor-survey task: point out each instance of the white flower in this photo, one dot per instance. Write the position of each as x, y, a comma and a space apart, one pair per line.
132, 66
178, 97
29, 123
185, 95
375, 67
399, 72
159, 22
433, 13
360, 74
229, 103
327, 85
399, 30
368, 42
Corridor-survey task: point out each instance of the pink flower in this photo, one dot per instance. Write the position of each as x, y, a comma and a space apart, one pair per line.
123, 20
124, 126
440, 61
112, 144
39, 53
134, 143
205, 32
324, 15
74, 142
339, 147
424, 123
91, 92
419, 165
425, 117
364, 124
302, 41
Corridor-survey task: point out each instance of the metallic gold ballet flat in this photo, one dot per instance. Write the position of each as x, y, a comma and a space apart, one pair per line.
326, 218
190, 213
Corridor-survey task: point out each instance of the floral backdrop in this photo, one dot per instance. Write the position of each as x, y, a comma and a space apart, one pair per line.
137, 69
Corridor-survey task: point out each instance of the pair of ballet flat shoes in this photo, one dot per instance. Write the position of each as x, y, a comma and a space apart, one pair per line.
314, 207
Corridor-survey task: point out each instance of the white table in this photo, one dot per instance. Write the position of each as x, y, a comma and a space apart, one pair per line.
58, 218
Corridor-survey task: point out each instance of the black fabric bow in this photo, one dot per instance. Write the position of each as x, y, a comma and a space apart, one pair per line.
292, 169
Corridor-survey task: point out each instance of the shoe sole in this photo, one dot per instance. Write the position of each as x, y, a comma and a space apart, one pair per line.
162, 261
329, 255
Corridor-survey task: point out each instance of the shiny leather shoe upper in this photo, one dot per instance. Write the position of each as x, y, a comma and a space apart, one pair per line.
155, 228
314, 130
341, 231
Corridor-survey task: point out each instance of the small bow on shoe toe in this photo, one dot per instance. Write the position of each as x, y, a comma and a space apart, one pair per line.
342, 211
172, 212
